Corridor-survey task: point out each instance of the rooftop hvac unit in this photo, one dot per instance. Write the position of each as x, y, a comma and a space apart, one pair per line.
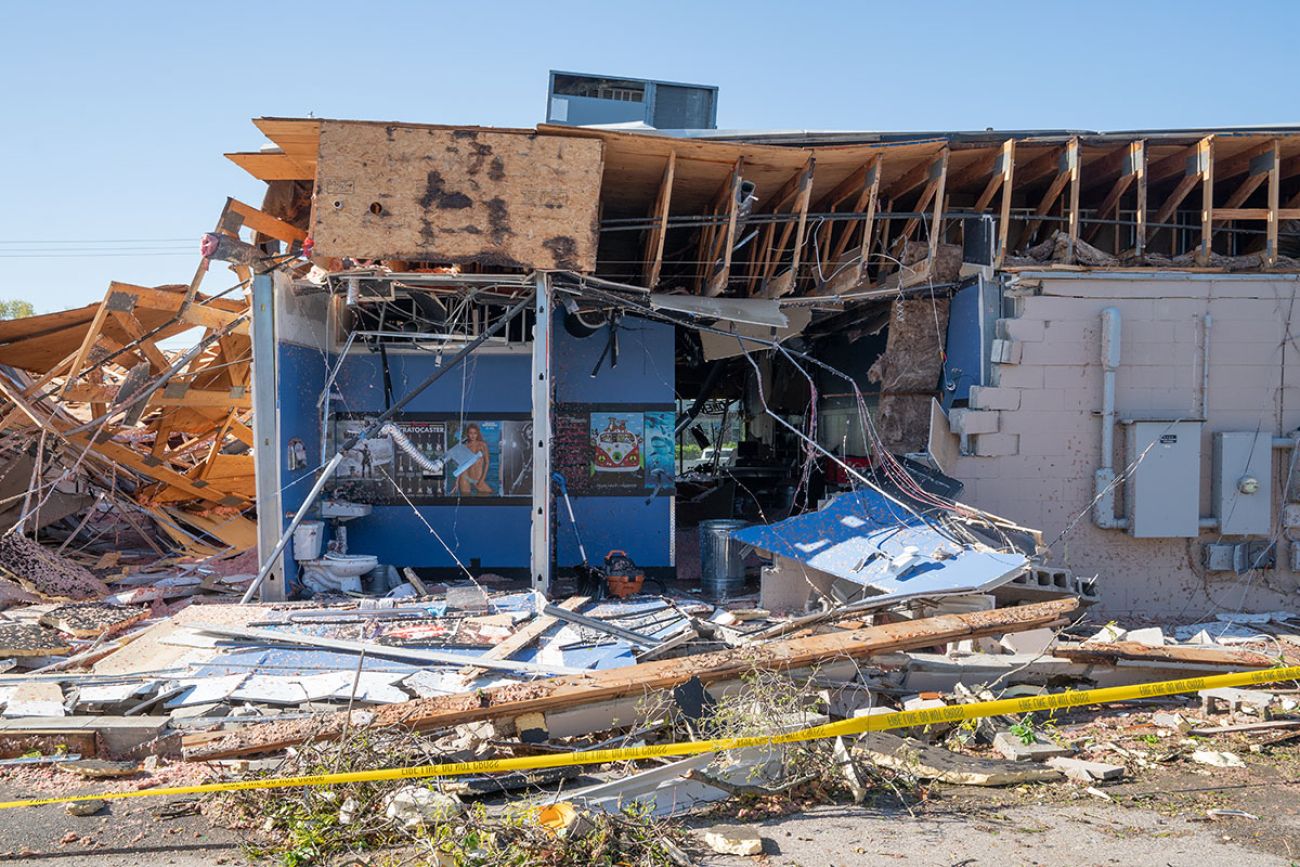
581, 99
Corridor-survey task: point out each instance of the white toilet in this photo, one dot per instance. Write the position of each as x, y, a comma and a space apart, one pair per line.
333, 572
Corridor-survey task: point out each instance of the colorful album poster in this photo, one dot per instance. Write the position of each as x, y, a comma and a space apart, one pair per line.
617, 449
482, 477
660, 448
517, 458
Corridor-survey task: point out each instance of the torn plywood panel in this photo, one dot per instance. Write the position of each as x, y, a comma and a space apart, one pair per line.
465, 196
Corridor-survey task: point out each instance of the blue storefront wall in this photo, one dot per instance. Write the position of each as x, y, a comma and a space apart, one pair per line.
644, 377
483, 535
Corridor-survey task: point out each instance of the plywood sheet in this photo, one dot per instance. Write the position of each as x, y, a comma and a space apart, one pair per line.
500, 199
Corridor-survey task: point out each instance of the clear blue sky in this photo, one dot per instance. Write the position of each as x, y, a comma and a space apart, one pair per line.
116, 114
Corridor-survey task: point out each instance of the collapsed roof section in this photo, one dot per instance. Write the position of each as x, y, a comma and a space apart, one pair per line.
809, 215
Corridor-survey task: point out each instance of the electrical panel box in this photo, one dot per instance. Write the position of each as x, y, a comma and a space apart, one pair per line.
1163, 491
1242, 483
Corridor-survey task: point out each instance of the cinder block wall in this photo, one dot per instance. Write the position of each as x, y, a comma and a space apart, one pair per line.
1035, 464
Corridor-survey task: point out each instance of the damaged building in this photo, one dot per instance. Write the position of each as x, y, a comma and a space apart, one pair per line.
1086, 334
609, 462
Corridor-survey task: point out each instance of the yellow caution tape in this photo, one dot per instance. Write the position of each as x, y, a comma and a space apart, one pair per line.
858, 725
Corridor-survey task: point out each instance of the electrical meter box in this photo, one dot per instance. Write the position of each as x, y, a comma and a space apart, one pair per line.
1242, 484
1163, 492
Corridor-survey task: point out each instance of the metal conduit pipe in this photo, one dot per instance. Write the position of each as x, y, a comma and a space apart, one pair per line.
1103, 503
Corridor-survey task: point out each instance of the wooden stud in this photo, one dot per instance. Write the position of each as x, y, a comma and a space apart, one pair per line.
1205, 160
1008, 190
1274, 195
1140, 208
655, 241
1072, 157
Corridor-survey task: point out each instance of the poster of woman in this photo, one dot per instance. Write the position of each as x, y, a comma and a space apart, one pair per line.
482, 478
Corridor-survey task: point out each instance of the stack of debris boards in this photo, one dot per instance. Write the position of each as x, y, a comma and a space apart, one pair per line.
508, 674
113, 434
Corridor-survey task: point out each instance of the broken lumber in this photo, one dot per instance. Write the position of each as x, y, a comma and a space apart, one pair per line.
513, 700
522, 638
1108, 653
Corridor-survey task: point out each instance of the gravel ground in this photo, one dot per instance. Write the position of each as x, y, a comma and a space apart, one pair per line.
1157, 817
1048, 835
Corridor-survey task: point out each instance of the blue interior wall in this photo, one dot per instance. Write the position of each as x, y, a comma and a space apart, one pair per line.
497, 536
486, 384
644, 375
301, 371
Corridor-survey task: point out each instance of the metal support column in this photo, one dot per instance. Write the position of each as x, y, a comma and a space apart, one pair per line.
543, 399
266, 434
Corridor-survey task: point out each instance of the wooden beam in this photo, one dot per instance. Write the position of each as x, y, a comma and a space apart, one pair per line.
1172, 202
260, 221
158, 472
87, 344
1132, 169
1042, 166
774, 285
863, 187
865, 203
987, 164
1117, 163
569, 691
1073, 158
1008, 190
854, 275
1179, 164
937, 174
1230, 167
1205, 162
1256, 213
136, 330
1274, 194
1066, 170
721, 243
1139, 149
1110, 203
1002, 163
522, 637
655, 240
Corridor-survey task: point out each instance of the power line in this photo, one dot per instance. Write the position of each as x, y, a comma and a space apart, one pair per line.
100, 241
93, 255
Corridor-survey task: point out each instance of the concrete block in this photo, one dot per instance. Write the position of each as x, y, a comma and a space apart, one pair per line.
1039, 399
994, 445
1033, 643
918, 703
971, 421
1017, 376
1085, 772
1058, 352
1151, 636
1040, 442
1072, 377
1025, 330
1013, 748
983, 397
1006, 351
